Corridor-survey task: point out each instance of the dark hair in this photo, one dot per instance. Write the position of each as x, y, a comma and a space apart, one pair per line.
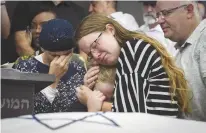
151, 3
34, 12
39, 9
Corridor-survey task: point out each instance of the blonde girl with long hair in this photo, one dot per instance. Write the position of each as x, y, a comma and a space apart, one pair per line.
147, 79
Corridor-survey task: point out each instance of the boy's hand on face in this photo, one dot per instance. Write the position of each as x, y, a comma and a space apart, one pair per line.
59, 66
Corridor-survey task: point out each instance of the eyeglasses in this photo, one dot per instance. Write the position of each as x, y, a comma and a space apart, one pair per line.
165, 13
93, 46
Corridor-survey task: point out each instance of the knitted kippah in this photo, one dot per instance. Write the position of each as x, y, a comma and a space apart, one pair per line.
56, 35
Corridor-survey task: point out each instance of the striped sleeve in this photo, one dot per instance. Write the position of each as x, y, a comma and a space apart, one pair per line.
142, 84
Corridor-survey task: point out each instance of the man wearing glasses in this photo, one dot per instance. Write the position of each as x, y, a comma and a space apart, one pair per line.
153, 29
181, 22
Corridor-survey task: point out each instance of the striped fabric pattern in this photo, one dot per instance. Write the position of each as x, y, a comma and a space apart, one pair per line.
142, 84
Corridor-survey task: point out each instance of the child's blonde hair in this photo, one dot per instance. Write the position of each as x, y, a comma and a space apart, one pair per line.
106, 74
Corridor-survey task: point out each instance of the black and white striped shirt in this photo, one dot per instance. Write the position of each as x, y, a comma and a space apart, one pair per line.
142, 84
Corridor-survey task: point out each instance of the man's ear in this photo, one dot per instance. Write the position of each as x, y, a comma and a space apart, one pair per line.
110, 29
190, 11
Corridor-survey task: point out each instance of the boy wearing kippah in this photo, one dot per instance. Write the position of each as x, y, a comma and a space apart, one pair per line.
56, 40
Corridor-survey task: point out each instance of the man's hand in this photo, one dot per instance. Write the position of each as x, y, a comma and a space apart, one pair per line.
95, 101
91, 76
23, 43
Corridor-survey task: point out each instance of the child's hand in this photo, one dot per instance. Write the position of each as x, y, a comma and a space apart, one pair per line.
91, 76
83, 94
59, 66
95, 101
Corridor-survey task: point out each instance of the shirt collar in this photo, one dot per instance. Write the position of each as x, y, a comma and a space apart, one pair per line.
194, 36
182, 46
157, 28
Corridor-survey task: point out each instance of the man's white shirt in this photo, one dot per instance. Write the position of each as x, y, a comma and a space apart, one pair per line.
158, 34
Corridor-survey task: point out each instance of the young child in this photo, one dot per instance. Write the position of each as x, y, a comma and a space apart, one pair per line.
105, 81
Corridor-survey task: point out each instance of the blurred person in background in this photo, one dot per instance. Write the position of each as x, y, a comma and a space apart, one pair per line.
23, 14
41, 16
5, 21
153, 29
109, 8
35, 27
202, 9
5, 31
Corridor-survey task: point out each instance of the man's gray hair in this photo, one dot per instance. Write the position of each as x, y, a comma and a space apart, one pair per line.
195, 5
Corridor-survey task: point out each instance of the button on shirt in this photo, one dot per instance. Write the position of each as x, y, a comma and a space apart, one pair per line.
192, 59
